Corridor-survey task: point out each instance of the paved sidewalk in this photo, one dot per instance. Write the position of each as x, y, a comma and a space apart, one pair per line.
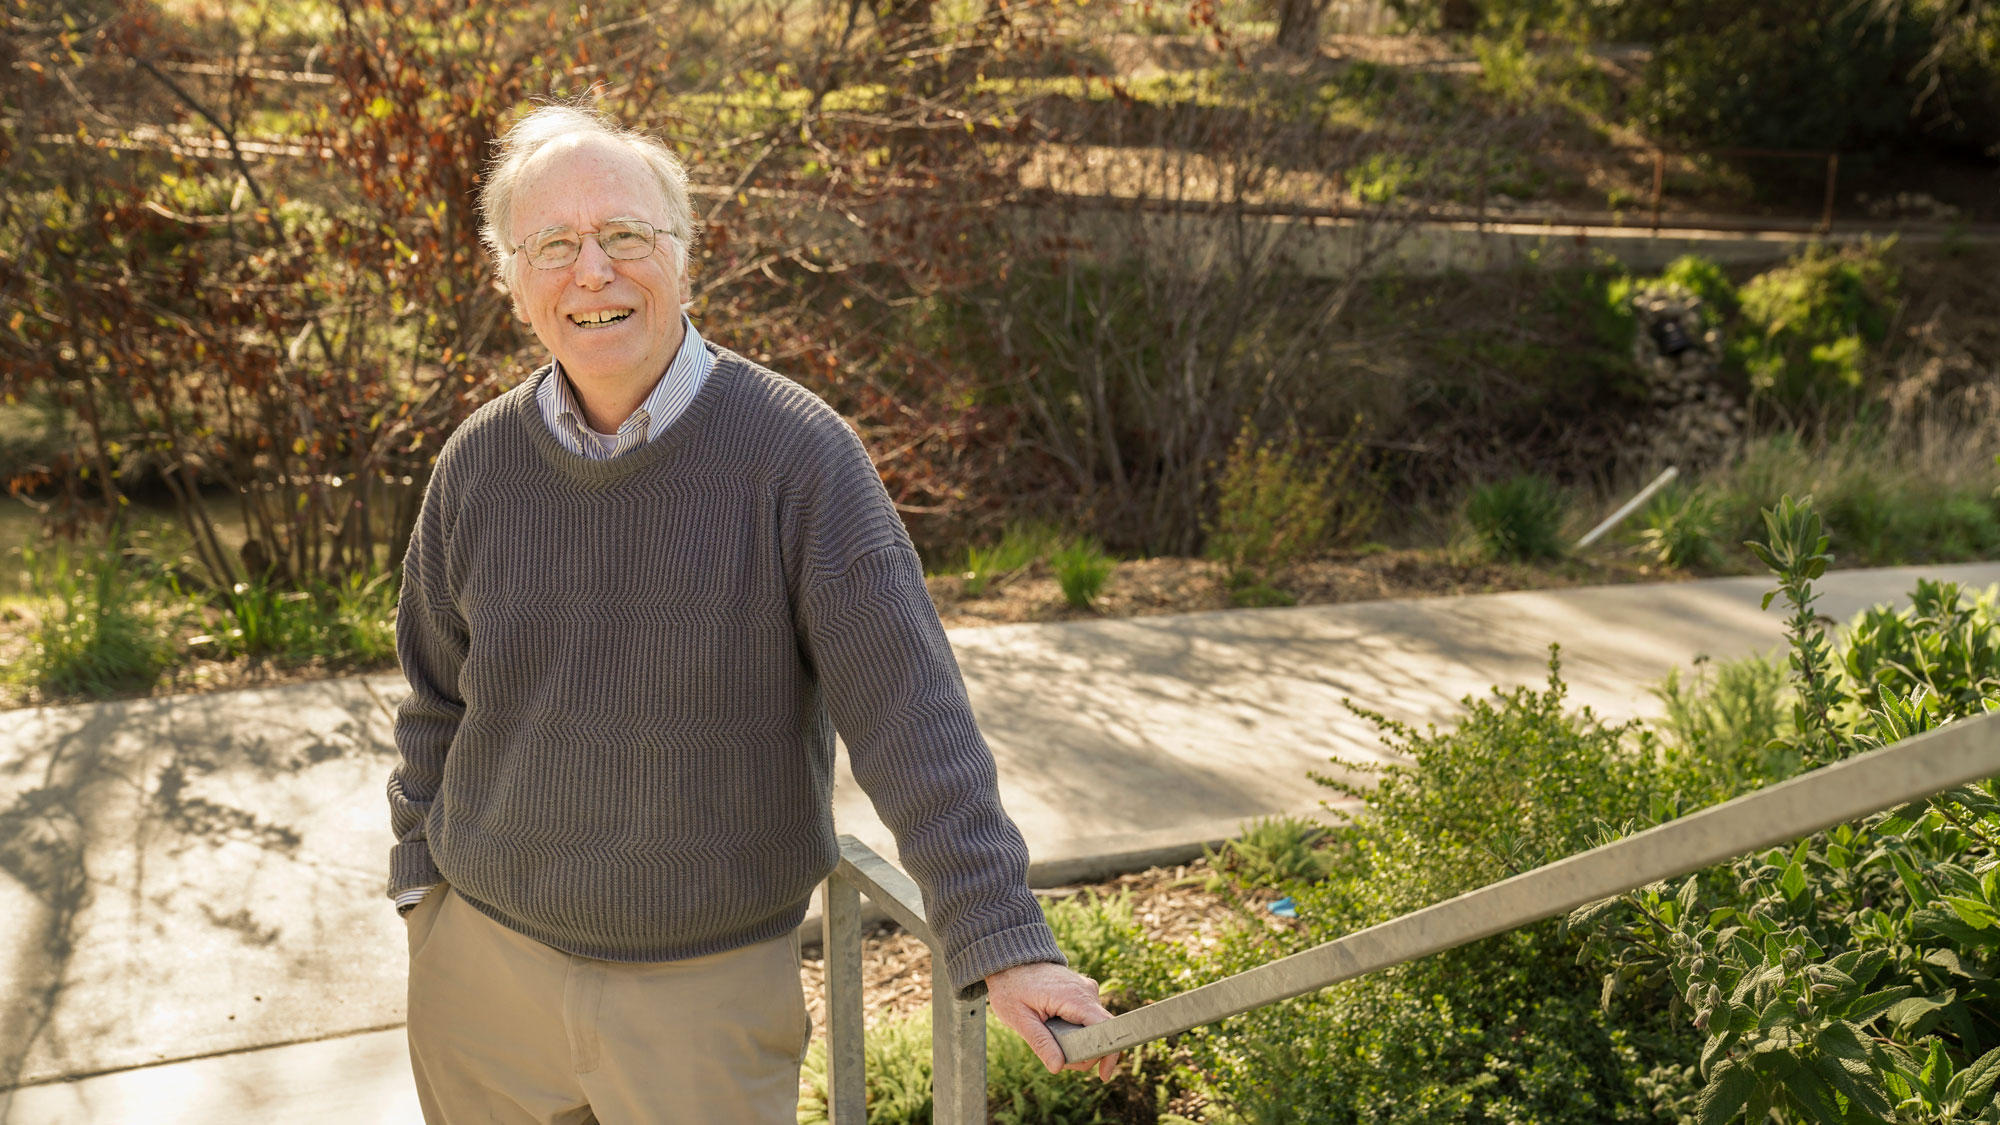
202, 874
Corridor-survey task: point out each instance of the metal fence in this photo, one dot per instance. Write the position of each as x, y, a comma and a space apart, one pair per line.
1914, 768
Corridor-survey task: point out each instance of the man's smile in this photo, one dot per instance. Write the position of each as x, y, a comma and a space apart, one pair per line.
599, 319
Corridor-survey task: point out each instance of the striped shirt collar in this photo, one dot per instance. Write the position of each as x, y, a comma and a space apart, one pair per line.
670, 397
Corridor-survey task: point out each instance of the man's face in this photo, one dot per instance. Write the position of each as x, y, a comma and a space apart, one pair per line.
612, 324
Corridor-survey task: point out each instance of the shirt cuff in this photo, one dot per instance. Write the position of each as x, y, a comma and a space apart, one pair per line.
408, 900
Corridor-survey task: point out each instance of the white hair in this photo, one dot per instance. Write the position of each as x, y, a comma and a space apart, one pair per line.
552, 123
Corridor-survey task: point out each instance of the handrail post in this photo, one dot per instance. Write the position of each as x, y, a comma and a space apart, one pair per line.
846, 1069
958, 1053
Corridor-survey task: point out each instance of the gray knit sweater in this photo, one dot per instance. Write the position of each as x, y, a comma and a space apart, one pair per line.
626, 676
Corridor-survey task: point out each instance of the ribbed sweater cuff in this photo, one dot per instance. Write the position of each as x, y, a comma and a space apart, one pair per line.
410, 866
1021, 945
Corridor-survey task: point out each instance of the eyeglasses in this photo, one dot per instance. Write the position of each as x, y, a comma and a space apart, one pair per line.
623, 239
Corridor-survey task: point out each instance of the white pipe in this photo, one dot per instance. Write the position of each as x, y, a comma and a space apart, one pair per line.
1631, 506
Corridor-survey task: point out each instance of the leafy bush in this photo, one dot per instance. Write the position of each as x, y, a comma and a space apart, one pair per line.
1796, 74
1843, 979
1854, 962
1807, 326
1505, 1029
1098, 934
1520, 518
898, 1060
104, 627
1703, 278
1081, 569
1274, 508
1683, 529
1698, 275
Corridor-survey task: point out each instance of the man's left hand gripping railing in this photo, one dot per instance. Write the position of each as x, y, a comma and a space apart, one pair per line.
958, 1027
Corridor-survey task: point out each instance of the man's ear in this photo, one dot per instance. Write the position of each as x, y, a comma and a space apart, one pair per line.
513, 300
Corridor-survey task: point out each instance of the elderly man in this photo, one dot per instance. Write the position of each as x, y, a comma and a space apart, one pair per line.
645, 588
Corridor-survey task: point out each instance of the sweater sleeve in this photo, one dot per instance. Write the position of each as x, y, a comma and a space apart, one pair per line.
895, 694
431, 644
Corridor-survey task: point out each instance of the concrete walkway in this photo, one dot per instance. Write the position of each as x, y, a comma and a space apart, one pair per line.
199, 878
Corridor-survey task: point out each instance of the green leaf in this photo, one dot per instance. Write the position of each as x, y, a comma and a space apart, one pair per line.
1980, 1076
1861, 965
1973, 912
1793, 882
1949, 961
1811, 1091
1940, 919
1937, 1067
1857, 1081
1727, 1092
1868, 1007
1905, 1014
1913, 884
1714, 1049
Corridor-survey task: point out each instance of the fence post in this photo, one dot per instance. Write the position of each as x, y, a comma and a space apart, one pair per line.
958, 1053
840, 930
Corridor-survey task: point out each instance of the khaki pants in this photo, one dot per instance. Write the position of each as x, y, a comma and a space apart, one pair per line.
505, 1029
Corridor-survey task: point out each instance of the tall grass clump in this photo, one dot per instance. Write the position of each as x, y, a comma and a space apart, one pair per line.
1518, 519
1722, 728
1921, 496
350, 622
1081, 569
1021, 546
104, 626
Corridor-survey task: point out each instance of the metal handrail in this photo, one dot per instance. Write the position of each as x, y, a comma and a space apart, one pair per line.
1917, 767
958, 1026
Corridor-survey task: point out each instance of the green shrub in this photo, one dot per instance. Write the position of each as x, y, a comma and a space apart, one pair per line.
1683, 529
1784, 74
1517, 519
1019, 1090
1505, 1029
1274, 506
1099, 935
1843, 978
1703, 278
1081, 569
1807, 325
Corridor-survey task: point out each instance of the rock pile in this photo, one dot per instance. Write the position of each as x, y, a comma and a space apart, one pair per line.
1695, 421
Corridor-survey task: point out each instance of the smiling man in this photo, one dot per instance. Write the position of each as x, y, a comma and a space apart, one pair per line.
645, 589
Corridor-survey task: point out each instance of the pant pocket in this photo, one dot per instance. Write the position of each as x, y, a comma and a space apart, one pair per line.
423, 920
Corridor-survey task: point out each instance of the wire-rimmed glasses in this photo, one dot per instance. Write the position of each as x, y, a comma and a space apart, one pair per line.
556, 247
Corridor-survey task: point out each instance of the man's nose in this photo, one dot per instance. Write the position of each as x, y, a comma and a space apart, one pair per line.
593, 265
